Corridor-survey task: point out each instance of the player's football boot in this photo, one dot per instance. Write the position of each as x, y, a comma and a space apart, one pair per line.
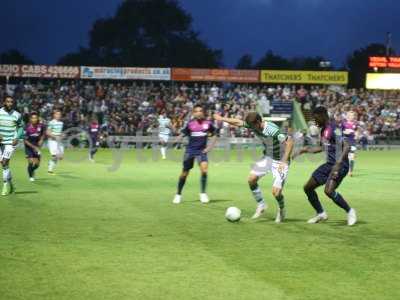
177, 199
261, 208
31, 179
318, 218
280, 216
6, 189
351, 217
204, 198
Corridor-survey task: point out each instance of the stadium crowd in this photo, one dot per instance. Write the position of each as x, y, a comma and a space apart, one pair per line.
123, 108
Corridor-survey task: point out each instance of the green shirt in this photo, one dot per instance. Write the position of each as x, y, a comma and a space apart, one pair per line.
271, 137
55, 127
10, 123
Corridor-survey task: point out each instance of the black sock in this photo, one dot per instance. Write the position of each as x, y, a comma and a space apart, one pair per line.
253, 186
181, 183
339, 201
30, 169
34, 168
314, 201
93, 152
281, 201
203, 182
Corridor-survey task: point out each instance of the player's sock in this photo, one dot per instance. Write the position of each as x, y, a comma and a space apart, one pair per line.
339, 201
30, 169
163, 151
52, 164
203, 183
351, 165
92, 153
6, 174
281, 201
257, 194
314, 201
34, 168
181, 184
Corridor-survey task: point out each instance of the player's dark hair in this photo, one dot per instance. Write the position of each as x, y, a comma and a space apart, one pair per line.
198, 106
320, 110
253, 118
34, 113
7, 96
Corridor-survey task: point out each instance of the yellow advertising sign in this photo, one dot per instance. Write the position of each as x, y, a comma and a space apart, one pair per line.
304, 77
379, 81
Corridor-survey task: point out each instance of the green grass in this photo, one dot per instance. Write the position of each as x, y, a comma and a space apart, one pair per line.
88, 233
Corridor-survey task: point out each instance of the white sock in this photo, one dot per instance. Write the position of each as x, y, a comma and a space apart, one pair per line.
52, 164
257, 194
6, 175
163, 151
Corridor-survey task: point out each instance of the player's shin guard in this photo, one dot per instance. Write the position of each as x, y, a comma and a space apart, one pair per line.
281, 201
203, 183
257, 194
314, 201
339, 201
181, 184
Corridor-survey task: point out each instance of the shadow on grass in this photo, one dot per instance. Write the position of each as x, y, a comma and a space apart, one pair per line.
26, 192
46, 182
343, 223
219, 200
66, 175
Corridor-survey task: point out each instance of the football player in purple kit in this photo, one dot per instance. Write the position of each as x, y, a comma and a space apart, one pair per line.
349, 127
94, 130
34, 137
198, 130
333, 171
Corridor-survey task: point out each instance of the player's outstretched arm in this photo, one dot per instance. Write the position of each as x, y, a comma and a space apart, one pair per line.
288, 149
230, 121
308, 149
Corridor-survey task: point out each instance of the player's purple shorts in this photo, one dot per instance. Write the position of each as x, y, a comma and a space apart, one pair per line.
188, 160
322, 173
30, 153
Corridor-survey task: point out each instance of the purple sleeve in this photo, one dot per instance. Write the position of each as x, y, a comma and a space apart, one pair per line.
327, 133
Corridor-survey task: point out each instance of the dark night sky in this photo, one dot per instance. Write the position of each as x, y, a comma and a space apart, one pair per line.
47, 29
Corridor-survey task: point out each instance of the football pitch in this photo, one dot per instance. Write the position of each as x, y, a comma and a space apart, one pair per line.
95, 232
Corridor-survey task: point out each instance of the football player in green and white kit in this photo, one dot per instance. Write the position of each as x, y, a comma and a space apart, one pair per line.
10, 125
278, 164
54, 134
164, 132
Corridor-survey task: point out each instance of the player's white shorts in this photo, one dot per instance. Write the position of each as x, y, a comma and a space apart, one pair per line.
266, 165
6, 151
56, 148
163, 138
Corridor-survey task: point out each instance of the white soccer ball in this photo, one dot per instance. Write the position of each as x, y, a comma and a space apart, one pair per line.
233, 214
